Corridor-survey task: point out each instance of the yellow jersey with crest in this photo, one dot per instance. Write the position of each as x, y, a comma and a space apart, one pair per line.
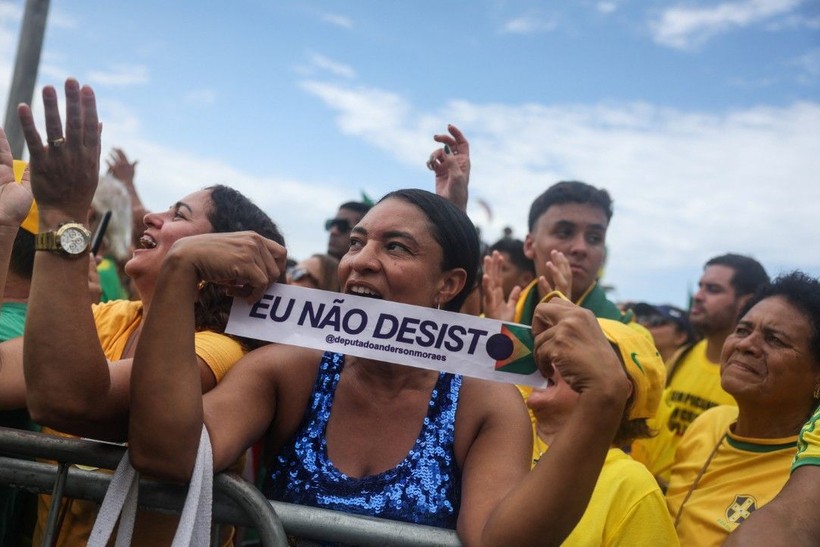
719, 479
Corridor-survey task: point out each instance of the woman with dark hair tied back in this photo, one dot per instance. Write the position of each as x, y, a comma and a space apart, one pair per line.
371, 437
231, 212
78, 358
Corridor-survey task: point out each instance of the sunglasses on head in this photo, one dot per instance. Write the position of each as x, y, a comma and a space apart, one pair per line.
653, 320
342, 224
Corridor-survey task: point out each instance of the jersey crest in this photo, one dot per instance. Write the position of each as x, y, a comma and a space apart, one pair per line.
741, 508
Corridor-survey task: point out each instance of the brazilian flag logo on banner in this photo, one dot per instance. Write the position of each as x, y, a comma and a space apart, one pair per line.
512, 349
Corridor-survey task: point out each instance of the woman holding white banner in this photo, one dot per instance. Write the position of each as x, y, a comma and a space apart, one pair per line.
371, 437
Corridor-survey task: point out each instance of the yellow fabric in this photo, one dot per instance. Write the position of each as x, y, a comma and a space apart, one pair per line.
695, 387
522, 299
642, 362
626, 508
744, 475
533, 286
218, 351
116, 321
808, 443
31, 223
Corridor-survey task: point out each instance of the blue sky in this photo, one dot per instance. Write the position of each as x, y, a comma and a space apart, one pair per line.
700, 117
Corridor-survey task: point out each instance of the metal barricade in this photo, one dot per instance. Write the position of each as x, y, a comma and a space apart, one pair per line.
236, 501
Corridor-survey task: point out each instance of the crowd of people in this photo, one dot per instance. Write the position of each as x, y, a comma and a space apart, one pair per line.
651, 421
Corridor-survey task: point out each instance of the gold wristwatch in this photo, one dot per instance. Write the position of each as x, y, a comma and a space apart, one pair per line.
71, 239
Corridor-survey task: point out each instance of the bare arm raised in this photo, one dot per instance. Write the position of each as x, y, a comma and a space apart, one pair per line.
61, 352
545, 507
451, 165
124, 170
165, 373
15, 201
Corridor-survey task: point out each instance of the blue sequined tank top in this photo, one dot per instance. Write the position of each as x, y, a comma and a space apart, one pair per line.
424, 488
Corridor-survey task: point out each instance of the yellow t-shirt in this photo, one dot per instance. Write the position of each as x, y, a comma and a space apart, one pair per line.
626, 507
808, 443
115, 322
695, 387
743, 475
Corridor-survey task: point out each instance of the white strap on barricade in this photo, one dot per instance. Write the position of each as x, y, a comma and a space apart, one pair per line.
195, 521
119, 498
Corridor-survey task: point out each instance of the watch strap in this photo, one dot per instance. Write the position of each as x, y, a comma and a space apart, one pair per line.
45, 241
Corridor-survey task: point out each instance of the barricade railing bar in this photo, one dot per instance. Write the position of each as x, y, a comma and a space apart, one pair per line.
236, 501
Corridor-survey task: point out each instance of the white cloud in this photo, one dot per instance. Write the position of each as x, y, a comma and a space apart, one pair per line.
606, 7
200, 97
11, 13
319, 61
299, 207
336, 20
752, 83
167, 173
808, 65
528, 24
792, 22
682, 27
120, 75
10, 16
686, 185
58, 18
367, 113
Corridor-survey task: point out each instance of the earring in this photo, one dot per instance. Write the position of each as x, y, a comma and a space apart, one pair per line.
437, 303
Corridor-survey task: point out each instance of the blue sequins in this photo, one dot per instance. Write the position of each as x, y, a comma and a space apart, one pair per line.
425, 488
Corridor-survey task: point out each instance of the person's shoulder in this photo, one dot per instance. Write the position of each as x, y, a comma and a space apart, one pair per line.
483, 403
716, 420
283, 355
285, 363
691, 355
627, 467
482, 392
218, 351
694, 353
492, 422
628, 473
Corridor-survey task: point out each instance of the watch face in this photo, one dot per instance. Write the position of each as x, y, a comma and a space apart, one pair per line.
73, 241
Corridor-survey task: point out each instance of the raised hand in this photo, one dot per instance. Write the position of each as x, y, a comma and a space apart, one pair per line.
558, 276
244, 262
15, 199
124, 170
570, 339
451, 165
120, 167
65, 170
494, 304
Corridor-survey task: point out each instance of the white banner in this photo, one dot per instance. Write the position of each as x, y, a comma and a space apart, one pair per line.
389, 331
